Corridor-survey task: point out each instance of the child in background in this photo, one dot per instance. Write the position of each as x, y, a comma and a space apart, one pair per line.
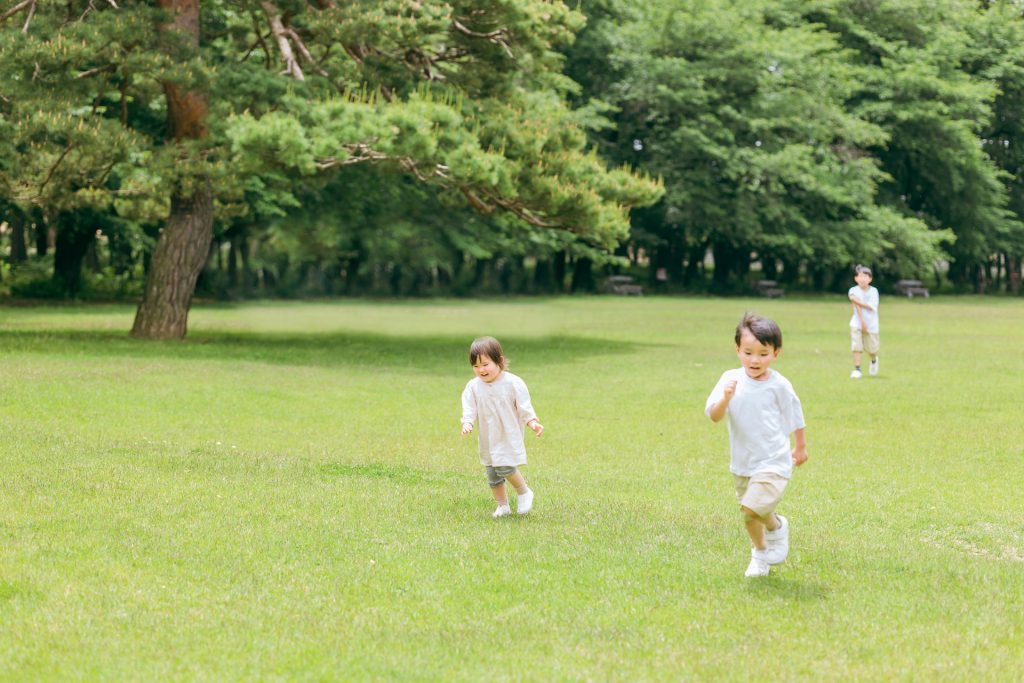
763, 411
500, 403
864, 323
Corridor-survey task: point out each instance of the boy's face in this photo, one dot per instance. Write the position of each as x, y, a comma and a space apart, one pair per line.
486, 369
863, 279
755, 356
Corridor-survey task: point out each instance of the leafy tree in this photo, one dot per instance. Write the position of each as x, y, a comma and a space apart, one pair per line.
930, 86
743, 109
189, 107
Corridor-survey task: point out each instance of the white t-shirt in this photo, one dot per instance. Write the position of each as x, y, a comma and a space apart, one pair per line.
501, 408
869, 297
761, 416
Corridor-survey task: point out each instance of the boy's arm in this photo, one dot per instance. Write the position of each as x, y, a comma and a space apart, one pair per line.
858, 304
800, 447
717, 411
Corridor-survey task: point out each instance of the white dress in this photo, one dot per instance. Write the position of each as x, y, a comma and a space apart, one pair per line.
501, 408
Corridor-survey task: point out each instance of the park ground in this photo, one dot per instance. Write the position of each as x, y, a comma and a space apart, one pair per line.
285, 496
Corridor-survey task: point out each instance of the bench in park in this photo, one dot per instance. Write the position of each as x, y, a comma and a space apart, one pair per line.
770, 289
911, 288
622, 285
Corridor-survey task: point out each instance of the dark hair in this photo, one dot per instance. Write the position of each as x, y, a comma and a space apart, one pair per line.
487, 346
763, 330
861, 269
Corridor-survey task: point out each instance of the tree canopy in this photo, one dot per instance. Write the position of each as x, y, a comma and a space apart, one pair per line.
404, 146
216, 110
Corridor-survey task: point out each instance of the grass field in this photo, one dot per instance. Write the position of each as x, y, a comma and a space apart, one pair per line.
285, 496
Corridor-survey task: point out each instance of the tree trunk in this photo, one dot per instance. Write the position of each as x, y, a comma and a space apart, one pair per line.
42, 233
246, 251
179, 257
694, 264
1013, 264
558, 267
184, 244
19, 252
721, 276
543, 277
76, 230
583, 276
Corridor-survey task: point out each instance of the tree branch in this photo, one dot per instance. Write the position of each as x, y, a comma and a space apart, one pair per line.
363, 152
20, 7
496, 37
97, 70
53, 170
291, 64
28, 19
304, 51
259, 41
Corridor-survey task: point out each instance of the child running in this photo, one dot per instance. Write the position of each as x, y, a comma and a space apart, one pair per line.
864, 323
500, 403
763, 411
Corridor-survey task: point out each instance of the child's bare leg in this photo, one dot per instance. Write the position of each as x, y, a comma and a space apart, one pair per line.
500, 494
856, 358
756, 526
518, 482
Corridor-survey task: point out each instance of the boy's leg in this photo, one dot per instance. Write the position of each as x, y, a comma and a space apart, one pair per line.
755, 527
857, 346
768, 533
872, 349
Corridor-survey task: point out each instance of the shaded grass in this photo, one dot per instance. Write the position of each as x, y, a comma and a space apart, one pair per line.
285, 496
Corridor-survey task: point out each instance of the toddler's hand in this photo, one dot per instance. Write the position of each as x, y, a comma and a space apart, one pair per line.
730, 389
536, 426
799, 456
466, 429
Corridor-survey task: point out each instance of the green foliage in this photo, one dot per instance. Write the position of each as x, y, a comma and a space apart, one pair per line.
824, 132
467, 96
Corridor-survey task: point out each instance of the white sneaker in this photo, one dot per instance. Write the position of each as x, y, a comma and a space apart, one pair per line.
855, 374
758, 566
778, 543
873, 368
525, 502
501, 511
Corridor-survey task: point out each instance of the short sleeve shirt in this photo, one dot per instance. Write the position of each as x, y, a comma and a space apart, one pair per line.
869, 297
761, 416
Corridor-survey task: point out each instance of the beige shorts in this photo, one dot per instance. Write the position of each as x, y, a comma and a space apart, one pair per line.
864, 341
761, 492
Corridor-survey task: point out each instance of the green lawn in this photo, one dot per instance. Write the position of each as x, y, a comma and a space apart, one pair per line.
285, 496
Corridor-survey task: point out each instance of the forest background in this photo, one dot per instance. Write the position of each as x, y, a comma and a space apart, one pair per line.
293, 148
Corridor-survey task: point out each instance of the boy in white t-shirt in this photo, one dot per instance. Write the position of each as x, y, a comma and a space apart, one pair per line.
763, 410
864, 323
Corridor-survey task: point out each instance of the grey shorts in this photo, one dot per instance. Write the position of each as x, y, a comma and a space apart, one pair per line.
496, 475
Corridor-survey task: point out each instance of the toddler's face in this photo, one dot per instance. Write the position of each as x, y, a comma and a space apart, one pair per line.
755, 357
863, 279
486, 369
